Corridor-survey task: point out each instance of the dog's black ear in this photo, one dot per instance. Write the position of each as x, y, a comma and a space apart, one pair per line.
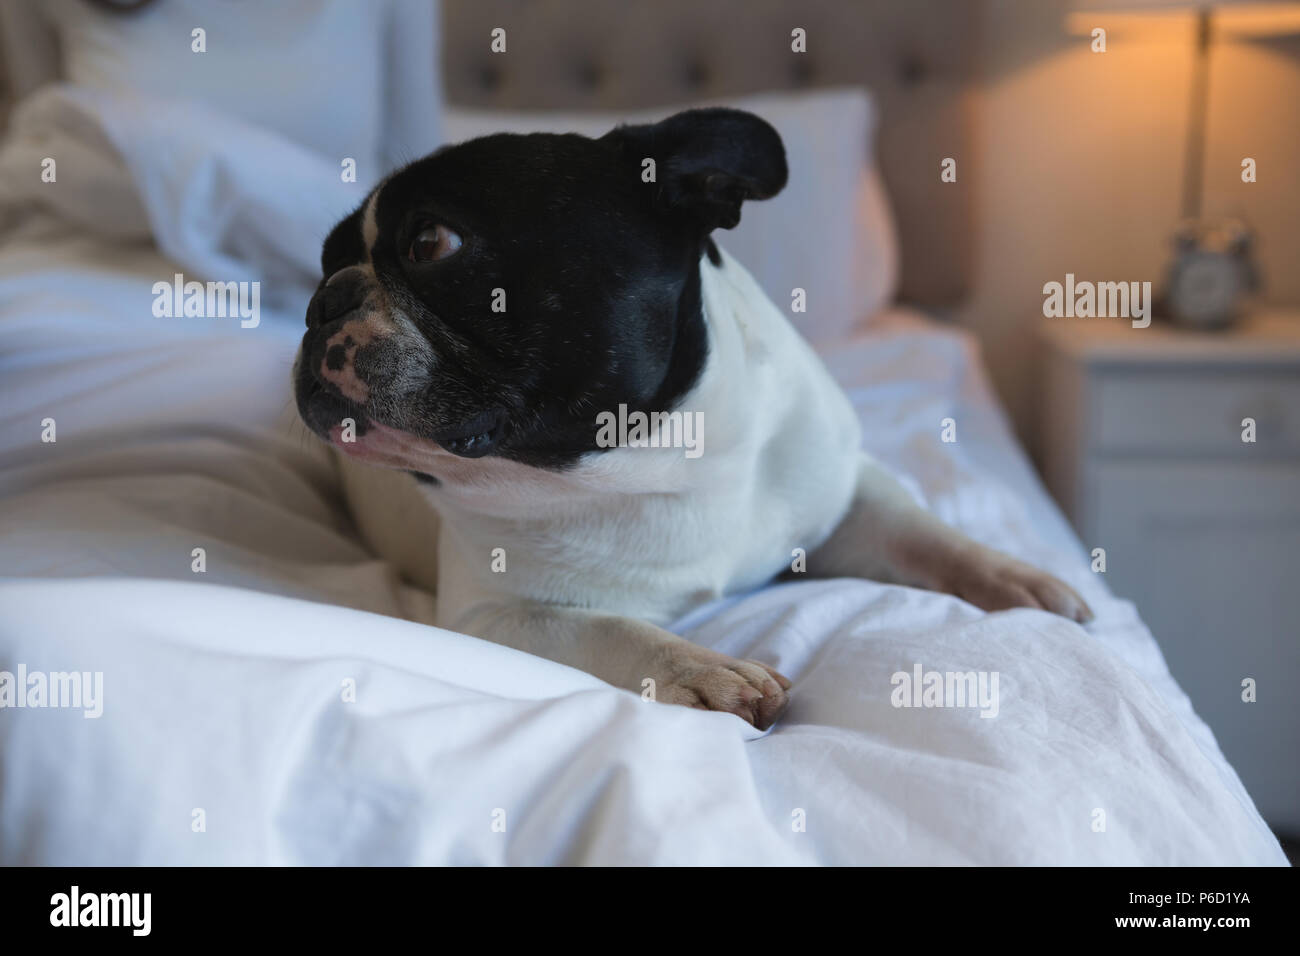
706, 163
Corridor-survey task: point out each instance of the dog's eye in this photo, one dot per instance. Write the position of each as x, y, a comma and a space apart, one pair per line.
434, 243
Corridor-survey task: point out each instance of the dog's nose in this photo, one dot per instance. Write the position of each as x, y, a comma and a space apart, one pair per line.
338, 295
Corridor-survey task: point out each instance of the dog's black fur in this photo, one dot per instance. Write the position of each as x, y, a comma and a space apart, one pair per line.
600, 271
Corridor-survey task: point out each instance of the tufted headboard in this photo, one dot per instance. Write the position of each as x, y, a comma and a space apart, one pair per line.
917, 57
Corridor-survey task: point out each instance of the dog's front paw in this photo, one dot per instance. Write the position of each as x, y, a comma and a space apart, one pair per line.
995, 582
697, 677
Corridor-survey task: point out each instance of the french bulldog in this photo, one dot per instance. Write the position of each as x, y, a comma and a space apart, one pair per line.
486, 311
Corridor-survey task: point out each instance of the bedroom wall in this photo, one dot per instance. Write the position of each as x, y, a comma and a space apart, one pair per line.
1079, 165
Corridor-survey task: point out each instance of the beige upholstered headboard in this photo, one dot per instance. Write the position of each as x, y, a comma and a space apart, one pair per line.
917, 56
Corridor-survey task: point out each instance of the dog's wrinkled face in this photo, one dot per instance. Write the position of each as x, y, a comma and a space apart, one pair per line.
492, 298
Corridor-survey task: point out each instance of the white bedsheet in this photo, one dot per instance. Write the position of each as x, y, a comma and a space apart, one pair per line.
224, 691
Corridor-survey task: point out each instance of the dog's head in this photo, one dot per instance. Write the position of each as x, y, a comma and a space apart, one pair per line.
492, 298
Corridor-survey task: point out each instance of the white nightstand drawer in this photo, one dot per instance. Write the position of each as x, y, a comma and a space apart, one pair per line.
1208, 551
1195, 412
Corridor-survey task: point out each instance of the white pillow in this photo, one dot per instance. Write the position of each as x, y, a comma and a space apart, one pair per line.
829, 232
341, 78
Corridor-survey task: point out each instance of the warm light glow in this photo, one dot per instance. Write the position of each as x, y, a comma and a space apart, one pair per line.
1258, 19
1127, 22
1246, 19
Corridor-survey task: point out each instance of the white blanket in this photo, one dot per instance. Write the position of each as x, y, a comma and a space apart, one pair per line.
275, 708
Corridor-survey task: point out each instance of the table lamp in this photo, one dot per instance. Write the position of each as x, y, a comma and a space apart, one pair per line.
1213, 268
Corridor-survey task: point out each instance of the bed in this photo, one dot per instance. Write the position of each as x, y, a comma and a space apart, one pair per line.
258, 688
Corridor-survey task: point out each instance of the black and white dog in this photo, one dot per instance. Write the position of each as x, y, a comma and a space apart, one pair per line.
487, 304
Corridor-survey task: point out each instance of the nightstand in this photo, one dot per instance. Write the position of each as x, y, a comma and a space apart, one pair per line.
1143, 449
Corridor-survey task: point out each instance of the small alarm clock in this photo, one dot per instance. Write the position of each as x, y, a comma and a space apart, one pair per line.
1212, 274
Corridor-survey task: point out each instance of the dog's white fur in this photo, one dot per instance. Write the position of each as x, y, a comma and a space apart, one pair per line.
599, 557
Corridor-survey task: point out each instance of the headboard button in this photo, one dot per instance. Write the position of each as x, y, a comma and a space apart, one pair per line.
695, 75
912, 70
589, 75
801, 72
489, 79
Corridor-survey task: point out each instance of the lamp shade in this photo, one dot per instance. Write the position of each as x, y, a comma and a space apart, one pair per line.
1241, 18
1138, 6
